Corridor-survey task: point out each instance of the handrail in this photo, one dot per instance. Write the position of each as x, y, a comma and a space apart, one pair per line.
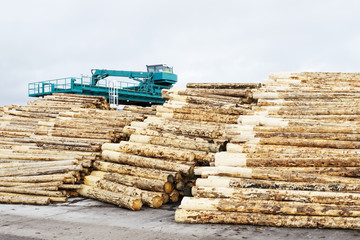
61, 84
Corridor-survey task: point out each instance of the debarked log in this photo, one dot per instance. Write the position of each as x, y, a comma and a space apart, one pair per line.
276, 195
146, 162
122, 200
290, 176
151, 199
271, 184
148, 150
192, 216
269, 207
223, 85
279, 160
23, 199
138, 182
135, 171
177, 143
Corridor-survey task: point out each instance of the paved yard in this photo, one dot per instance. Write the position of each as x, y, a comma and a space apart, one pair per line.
88, 219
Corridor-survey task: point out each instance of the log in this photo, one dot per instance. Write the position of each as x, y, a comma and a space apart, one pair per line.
140, 161
159, 133
269, 207
132, 203
192, 216
151, 199
223, 85
331, 171
262, 160
142, 110
210, 92
208, 117
36, 179
270, 184
135, 171
40, 171
25, 165
229, 109
29, 185
33, 157
303, 95
31, 191
306, 135
138, 182
283, 149
185, 144
290, 176
341, 198
174, 196
313, 128
310, 143
23, 199
207, 101
148, 150
187, 128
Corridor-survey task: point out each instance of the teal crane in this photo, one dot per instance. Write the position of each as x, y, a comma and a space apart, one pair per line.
144, 92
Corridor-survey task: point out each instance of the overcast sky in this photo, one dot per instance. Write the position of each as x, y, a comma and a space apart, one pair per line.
204, 40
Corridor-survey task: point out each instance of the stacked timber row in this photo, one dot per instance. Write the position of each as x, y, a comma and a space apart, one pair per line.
295, 161
157, 164
47, 146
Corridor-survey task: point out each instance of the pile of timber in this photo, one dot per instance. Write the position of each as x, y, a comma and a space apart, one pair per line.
61, 101
156, 164
49, 145
295, 161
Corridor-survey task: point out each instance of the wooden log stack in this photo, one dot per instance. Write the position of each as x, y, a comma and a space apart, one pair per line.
49, 145
159, 158
293, 160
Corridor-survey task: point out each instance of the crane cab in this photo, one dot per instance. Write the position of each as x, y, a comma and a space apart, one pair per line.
162, 75
158, 68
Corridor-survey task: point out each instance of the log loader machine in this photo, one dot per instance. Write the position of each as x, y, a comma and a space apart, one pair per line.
146, 92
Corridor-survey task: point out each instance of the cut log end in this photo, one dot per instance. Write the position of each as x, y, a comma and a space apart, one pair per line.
157, 202
168, 187
137, 204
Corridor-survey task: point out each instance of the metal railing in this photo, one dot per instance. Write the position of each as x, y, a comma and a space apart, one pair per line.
64, 84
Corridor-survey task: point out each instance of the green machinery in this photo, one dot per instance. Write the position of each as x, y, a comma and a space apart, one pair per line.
147, 90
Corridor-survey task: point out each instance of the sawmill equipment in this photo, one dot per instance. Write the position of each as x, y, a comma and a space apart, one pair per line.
145, 91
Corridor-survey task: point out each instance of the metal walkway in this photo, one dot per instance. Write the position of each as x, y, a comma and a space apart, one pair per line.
127, 93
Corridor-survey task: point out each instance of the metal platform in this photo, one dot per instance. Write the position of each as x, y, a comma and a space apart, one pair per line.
127, 92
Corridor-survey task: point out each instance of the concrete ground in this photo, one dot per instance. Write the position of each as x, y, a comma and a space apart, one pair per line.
88, 219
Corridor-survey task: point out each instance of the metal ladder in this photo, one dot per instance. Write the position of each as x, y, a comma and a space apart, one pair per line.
113, 94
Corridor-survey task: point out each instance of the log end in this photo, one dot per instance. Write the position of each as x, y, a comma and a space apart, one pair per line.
157, 202
137, 204
168, 187
165, 198
174, 196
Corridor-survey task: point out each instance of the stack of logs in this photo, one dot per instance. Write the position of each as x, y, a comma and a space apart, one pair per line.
157, 163
295, 161
48, 146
